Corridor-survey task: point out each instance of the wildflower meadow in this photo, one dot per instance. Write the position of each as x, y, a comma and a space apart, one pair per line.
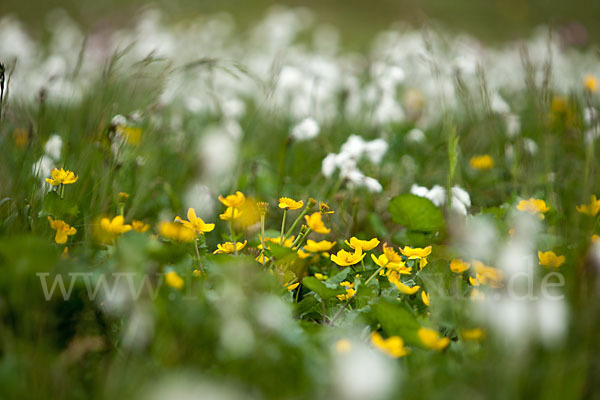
198, 209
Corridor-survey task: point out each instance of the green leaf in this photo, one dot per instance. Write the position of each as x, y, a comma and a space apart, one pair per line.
416, 213
397, 320
57, 207
305, 305
319, 288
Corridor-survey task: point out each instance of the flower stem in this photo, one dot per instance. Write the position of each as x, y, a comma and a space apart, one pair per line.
373, 275
62, 191
341, 310
282, 226
300, 239
302, 214
233, 237
198, 255
262, 239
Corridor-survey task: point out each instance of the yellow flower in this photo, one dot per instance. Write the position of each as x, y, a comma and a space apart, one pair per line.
123, 197
431, 339
21, 137
590, 83
391, 254
262, 206
413, 253
404, 289
459, 266
63, 230
343, 346
318, 247
392, 346
344, 258
174, 280
290, 204
550, 259
534, 207
380, 261
261, 258
233, 200
488, 275
477, 295
230, 214
176, 231
133, 134
591, 209
482, 162
303, 254
350, 292
315, 223
425, 298
61, 177
320, 276
194, 223
116, 226
227, 247
139, 226
292, 286
324, 209
366, 245
472, 334
286, 242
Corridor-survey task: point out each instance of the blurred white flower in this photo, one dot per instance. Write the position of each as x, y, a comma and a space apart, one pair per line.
530, 146
354, 146
364, 373
329, 165
498, 105
552, 318
415, 135
42, 167
375, 150
53, 147
461, 200
513, 125
306, 129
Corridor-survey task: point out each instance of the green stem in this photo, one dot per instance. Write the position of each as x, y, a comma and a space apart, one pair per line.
372, 276
198, 255
282, 226
289, 232
262, 239
233, 237
362, 262
62, 191
339, 313
300, 239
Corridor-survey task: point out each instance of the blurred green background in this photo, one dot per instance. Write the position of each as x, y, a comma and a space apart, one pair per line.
490, 20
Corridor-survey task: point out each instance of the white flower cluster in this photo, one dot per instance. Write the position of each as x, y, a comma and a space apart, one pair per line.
346, 161
461, 200
47, 162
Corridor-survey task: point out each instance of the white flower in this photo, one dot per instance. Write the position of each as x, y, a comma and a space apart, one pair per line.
307, 129
513, 125
530, 146
328, 165
498, 105
53, 147
415, 135
461, 200
42, 168
372, 185
354, 146
119, 120
375, 150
